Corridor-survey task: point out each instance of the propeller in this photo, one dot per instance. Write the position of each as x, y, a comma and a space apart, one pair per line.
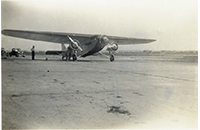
112, 47
74, 44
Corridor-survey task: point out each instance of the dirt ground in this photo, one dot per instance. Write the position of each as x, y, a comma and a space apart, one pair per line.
132, 92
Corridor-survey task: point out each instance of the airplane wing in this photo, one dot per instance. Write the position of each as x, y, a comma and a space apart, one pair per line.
129, 40
54, 37
57, 37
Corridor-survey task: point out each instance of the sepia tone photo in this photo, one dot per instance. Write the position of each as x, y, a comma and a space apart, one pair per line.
99, 64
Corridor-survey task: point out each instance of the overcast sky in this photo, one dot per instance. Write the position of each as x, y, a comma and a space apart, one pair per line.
173, 23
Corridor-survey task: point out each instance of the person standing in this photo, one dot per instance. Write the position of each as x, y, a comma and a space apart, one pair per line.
33, 52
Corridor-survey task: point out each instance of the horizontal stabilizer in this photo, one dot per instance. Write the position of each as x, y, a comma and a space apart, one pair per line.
53, 52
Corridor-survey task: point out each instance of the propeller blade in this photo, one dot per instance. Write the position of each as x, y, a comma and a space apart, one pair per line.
70, 39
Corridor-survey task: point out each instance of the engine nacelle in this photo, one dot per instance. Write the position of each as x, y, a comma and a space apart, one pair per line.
112, 47
75, 45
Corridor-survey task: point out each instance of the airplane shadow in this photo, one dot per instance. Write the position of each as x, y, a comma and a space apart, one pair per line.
79, 60
105, 61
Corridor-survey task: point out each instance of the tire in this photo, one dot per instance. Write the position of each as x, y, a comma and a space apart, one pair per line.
112, 58
74, 57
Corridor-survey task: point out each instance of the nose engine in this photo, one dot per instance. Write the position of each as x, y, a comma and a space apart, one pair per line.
112, 47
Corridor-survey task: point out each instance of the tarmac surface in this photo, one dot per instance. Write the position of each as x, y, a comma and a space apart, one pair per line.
149, 92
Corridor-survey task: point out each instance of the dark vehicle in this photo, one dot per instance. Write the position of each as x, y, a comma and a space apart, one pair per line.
4, 54
16, 52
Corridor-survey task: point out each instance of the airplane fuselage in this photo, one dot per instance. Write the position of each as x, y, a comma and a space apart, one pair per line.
96, 44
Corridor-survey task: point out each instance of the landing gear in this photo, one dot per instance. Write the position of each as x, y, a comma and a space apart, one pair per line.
112, 58
74, 57
67, 58
70, 55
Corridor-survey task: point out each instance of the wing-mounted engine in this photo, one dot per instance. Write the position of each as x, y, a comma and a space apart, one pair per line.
74, 44
71, 52
113, 46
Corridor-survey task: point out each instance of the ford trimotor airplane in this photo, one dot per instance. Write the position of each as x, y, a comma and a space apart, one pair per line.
78, 44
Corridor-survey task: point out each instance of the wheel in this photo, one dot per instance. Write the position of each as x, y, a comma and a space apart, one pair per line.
112, 58
70, 56
74, 57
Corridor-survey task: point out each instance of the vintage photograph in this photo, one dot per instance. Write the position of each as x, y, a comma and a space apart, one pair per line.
99, 64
